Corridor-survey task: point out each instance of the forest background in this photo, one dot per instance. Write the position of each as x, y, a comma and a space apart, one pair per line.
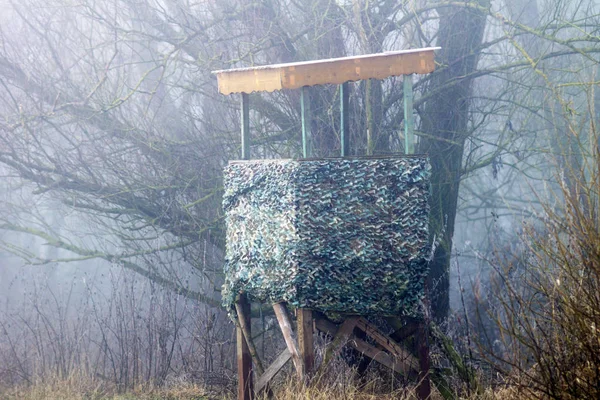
113, 138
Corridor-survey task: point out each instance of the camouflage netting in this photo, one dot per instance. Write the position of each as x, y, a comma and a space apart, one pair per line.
335, 235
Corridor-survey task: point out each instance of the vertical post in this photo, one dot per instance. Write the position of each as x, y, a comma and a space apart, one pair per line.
244, 359
245, 123
345, 119
370, 144
409, 134
306, 122
305, 339
424, 387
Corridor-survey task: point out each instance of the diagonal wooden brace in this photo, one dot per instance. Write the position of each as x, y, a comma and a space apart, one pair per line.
403, 356
273, 369
341, 338
288, 335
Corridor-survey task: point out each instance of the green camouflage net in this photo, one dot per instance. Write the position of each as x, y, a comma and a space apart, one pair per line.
340, 235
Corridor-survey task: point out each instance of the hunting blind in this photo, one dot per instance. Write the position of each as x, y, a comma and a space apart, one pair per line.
345, 235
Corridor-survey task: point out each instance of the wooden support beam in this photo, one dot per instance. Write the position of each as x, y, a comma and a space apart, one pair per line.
245, 124
344, 119
272, 370
325, 326
403, 331
288, 335
244, 322
244, 359
305, 339
306, 122
424, 386
339, 340
393, 363
403, 356
407, 367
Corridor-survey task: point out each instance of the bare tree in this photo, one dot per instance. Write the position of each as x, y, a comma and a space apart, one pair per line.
111, 109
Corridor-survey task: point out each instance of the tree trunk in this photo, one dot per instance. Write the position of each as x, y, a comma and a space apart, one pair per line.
444, 121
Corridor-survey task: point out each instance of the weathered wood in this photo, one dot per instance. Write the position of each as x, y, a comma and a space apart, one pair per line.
244, 359
340, 339
424, 386
273, 369
410, 362
325, 326
288, 336
305, 339
403, 329
244, 322
320, 72
398, 364
382, 357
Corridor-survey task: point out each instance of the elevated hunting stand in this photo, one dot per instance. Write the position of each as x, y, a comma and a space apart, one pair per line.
341, 236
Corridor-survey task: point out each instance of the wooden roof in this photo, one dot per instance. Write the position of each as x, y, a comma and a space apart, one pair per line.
268, 78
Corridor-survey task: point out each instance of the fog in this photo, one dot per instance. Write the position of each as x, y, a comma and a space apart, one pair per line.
113, 138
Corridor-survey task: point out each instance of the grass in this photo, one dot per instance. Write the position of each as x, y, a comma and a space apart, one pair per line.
80, 388
86, 388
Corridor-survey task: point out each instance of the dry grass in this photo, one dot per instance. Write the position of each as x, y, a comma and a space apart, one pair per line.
291, 390
82, 388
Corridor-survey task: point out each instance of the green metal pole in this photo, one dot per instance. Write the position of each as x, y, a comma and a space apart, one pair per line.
370, 144
245, 123
345, 119
409, 134
306, 125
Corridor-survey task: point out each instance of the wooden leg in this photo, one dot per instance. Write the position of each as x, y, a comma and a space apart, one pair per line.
424, 388
244, 359
244, 324
305, 339
288, 335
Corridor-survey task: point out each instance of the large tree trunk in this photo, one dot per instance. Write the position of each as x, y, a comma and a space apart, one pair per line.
444, 121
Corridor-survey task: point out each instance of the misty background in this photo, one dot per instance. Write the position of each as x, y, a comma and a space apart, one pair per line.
113, 137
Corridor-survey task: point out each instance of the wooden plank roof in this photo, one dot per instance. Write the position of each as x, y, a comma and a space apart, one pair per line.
295, 75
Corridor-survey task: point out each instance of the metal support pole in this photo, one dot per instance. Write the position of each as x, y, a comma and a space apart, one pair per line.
245, 123
306, 122
409, 134
370, 144
345, 119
